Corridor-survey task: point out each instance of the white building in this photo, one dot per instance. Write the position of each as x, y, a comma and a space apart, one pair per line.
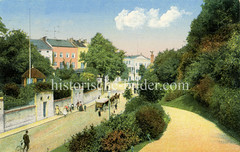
44, 49
133, 63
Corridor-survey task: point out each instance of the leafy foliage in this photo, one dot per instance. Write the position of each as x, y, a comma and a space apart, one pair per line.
14, 57
82, 141
42, 86
127, 93
142, 70
150, 120
148, 89
134, 104
119, 140
11, 89
166, 64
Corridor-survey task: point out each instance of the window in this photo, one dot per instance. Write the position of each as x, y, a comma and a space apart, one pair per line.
55, 64
68, 65
61, 65
73, 65
73, 55
55, 54
67, 55
61, 55
82, 65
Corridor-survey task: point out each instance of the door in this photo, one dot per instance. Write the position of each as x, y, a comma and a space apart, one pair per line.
44, 108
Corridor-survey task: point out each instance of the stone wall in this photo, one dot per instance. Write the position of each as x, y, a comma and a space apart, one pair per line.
19, 117
91, 96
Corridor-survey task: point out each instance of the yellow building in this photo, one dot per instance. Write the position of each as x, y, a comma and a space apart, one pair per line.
36, 76
82, 46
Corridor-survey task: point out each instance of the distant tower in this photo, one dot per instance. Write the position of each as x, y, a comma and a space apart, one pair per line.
152, 57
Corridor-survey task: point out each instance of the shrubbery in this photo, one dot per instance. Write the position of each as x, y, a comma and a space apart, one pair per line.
82, 141
134, 104
119, 140
127, 93
150, 120
11, 89
225, 106
26, 95
174, 94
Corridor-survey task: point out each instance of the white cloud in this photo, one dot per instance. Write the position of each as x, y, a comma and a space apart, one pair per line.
133, 19
164, 21
138, 17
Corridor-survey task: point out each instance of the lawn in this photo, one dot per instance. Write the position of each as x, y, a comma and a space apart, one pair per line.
187, 102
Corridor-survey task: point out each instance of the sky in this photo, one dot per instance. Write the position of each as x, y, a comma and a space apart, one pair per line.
135, 26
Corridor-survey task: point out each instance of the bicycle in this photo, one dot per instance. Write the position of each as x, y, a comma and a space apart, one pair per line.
20, 147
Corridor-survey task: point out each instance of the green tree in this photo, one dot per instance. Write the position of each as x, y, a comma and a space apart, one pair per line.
3, 28
125, 73
14, 60
142, 70
127, 93
166, 64
104, 57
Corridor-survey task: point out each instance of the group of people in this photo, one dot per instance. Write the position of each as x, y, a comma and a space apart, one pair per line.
70, 108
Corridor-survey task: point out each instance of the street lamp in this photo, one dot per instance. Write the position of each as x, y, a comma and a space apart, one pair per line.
109, 94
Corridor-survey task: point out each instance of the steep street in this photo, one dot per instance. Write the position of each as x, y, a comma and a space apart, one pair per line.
189, 132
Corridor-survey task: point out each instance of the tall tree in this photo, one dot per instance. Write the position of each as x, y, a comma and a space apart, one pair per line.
104, 57
14, 57
142, 70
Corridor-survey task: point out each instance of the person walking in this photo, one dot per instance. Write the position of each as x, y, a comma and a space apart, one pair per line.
85, 108
99, 113
116, 106
26, 141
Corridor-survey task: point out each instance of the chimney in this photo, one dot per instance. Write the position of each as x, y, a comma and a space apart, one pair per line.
152, 57
44, 39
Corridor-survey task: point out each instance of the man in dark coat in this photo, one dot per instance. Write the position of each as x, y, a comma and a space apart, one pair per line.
26, 140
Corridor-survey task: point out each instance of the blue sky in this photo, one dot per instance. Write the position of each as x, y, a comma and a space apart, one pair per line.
135, 26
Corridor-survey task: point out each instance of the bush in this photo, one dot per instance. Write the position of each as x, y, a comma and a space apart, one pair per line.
11, 102
127, 93
225, 105
59, 94
82, 141
11, 89
134, 104
202, 91
174, 94
119, 140
42, 86
150, 120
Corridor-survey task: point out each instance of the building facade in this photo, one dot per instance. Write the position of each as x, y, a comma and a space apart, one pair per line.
63, 52
82, 46
44, 49
133, 63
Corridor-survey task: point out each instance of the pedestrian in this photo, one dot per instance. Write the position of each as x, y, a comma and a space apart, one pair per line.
26, 141
85, 107
57, 110
116, 106
78, 105
66, 107
99, 113
64, 112
72, 106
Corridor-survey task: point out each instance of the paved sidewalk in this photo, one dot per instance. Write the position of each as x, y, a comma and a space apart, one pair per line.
50, 133
38, 123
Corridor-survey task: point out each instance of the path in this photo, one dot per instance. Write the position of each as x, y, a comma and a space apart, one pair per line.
189, 132
52, 134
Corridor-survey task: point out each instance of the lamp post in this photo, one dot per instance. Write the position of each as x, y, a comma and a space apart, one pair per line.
109, 94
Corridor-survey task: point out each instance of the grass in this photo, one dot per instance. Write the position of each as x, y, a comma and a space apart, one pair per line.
62, 148
187, 102
139, 146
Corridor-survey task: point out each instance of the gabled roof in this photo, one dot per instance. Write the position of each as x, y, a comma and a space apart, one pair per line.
135, 56
35, 73
59, 43
79, 44
40, 44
